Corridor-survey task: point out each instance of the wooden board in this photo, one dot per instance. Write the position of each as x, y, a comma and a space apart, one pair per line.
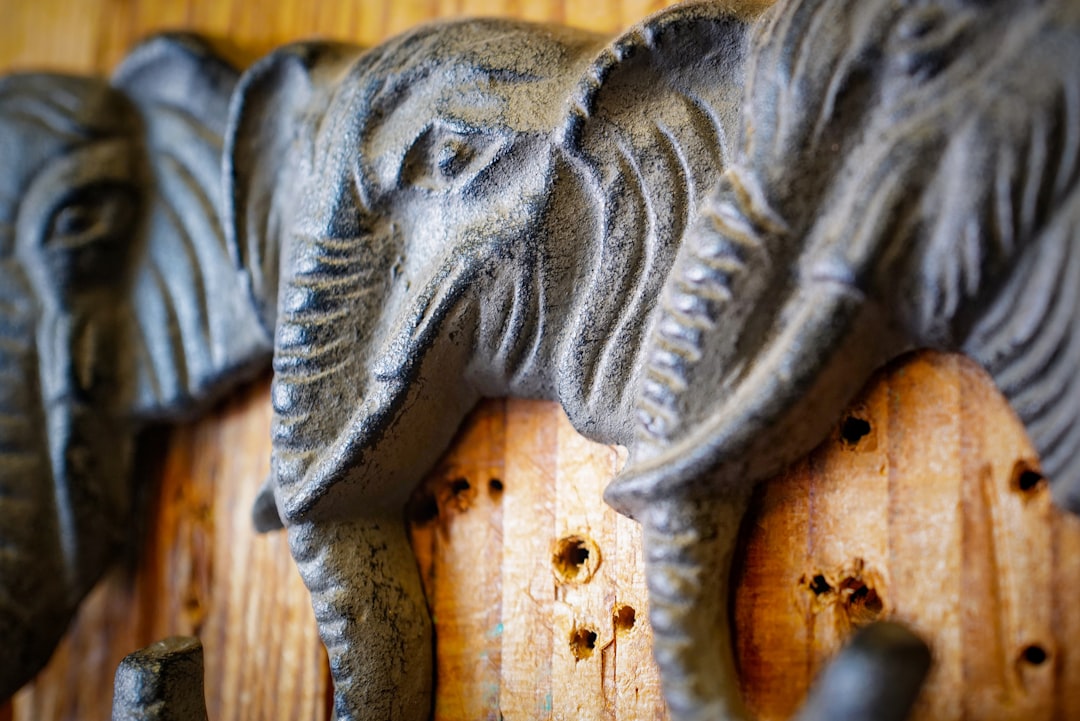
924, 506
926, 516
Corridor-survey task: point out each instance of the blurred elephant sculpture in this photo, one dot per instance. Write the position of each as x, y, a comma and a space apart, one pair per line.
119, 306
701, 238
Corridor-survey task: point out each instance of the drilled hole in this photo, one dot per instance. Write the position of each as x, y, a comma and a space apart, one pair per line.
571, 557
624, 618
819, 585
575, 559
459, 486
582, 643
850, 591
1035, 655
1026, 479
853, 430
495, 487
863, 604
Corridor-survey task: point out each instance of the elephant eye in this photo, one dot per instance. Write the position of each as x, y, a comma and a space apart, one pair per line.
442, 158
89, 216
76, 218
454, 157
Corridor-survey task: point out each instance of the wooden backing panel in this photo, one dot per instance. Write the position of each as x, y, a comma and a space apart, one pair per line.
960, 547
528, 585
459, 509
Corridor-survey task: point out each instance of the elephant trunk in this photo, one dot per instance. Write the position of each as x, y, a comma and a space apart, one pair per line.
34, 606
877, 677
63, 492
689, 545
34, 603
372, 616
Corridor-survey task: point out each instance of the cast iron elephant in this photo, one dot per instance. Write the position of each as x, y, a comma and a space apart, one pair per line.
478, 208
701, 238
119, 305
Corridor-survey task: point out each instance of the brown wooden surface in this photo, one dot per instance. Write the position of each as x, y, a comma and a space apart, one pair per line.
527, 625
924, 518
937, 517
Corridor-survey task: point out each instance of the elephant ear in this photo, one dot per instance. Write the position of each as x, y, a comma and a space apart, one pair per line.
650, 127
264, 150
925, 159
749, 356
1001, 267
193, 326
684, 63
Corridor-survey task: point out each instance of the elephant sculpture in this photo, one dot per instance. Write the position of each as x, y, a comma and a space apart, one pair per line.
119, 306
700, 237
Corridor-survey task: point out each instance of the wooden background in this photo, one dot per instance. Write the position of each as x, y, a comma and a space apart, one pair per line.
926, 506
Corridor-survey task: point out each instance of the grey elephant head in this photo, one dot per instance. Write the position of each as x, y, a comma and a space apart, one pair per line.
408, 174
119, 306
904, 175
472, 200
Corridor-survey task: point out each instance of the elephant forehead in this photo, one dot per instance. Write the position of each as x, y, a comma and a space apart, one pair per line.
509, 76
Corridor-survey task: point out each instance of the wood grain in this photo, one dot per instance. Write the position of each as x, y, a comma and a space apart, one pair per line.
924, 506
537, 587
926, 517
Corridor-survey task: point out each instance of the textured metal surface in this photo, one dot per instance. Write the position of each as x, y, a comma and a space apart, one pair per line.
119, 304
162, 682
700, 237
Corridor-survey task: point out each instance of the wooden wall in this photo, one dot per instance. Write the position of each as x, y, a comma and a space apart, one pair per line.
921, 507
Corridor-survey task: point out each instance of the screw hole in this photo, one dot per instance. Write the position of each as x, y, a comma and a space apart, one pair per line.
582, 643
819, 585
571, 555
459, 486
624, 618
1035, 655
854, 430
862, 602
575, 559
855, 595
495, 487
1026, 479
